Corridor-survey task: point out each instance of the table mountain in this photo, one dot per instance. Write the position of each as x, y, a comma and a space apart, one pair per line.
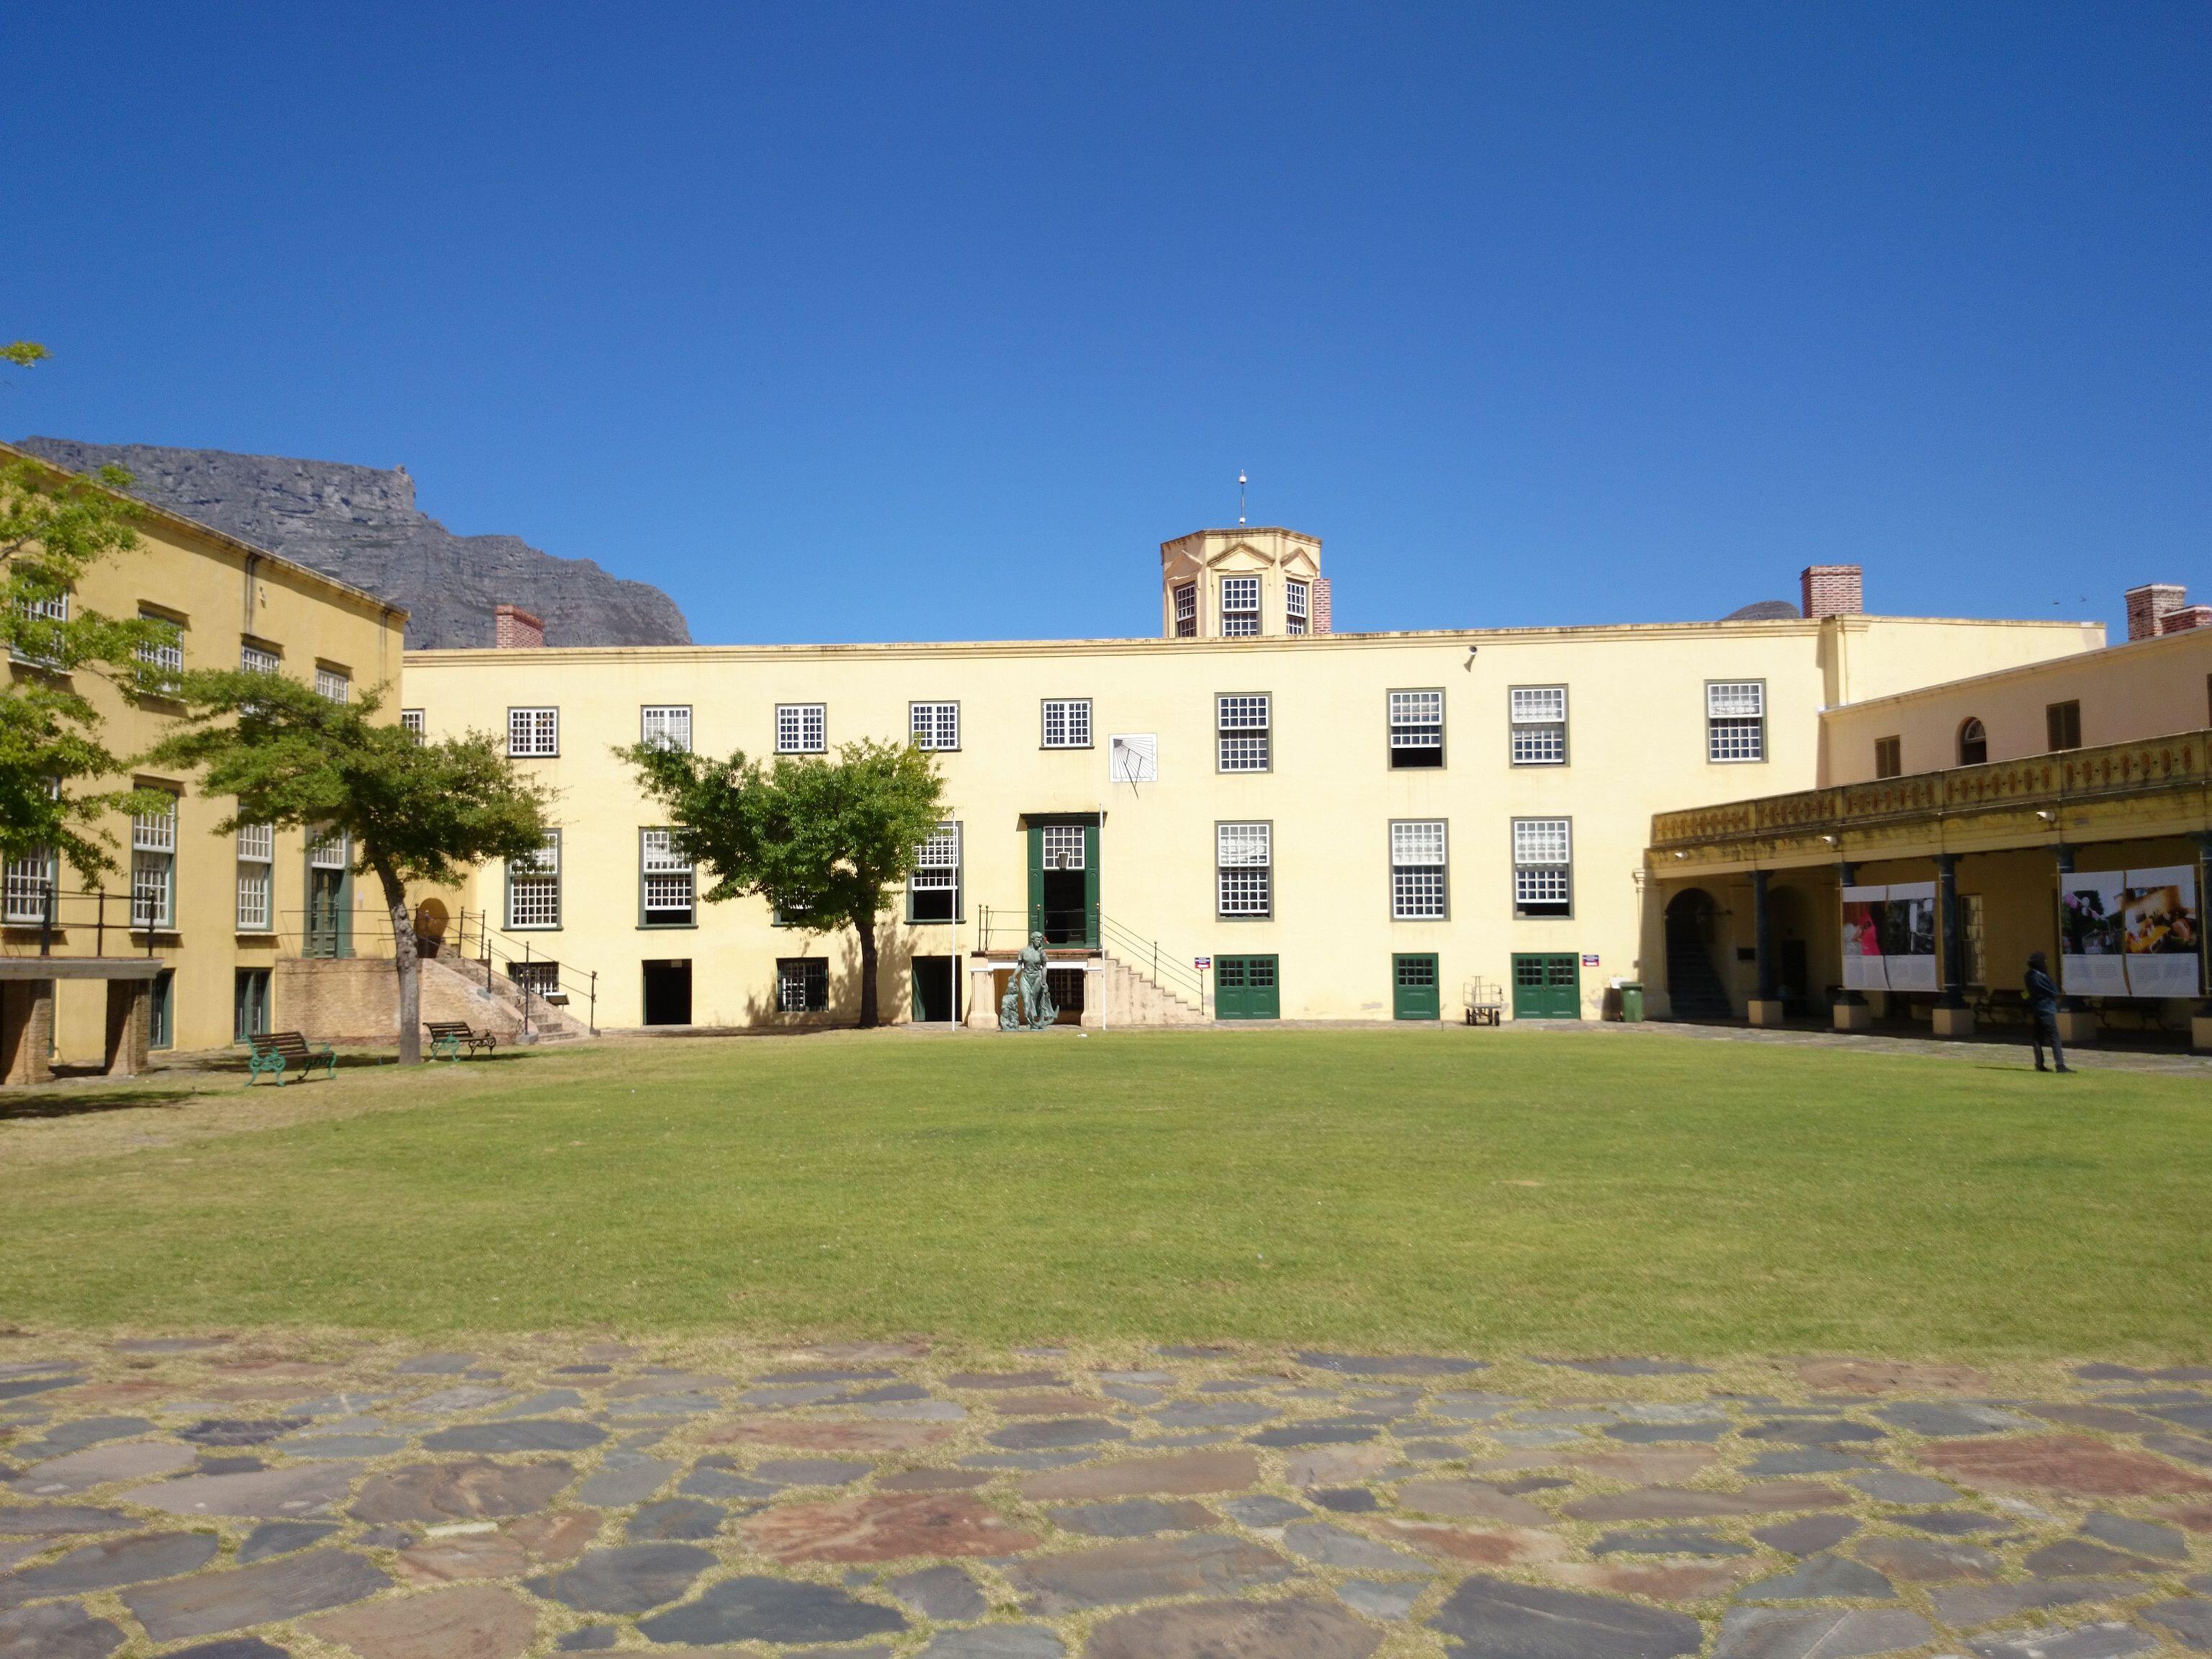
361, 525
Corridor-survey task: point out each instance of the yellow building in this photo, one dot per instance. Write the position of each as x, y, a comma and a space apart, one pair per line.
1339, 826
195, 924
2062, 806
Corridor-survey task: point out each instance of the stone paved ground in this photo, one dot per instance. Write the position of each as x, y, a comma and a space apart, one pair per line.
229, 1500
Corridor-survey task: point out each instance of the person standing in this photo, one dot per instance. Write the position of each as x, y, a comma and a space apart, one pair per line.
2043, 1009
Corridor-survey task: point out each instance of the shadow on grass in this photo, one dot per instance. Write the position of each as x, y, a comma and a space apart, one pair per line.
79, 1103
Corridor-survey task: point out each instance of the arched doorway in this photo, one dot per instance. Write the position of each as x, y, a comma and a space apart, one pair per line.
1694, 989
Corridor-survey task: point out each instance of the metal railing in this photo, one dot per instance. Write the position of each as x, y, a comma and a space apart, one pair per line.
475, 939
39, 918
1005, 928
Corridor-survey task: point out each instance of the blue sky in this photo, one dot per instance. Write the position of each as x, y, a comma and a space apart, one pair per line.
933, 321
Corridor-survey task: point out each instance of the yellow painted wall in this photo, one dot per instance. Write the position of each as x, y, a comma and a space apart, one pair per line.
1636, 743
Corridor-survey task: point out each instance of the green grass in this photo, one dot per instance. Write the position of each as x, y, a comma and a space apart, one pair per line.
1537, 1192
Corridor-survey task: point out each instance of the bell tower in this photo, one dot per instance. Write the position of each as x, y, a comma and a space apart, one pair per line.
1252, 582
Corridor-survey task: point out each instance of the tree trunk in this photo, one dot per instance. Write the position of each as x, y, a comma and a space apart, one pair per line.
868, 931
404, 963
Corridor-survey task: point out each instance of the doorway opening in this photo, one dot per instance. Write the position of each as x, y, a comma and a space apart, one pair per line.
936, 991
668, 993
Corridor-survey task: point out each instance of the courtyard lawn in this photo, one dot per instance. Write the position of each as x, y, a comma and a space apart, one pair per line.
1532, 1192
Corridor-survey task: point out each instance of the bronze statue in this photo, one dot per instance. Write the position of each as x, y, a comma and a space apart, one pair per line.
1027, 1006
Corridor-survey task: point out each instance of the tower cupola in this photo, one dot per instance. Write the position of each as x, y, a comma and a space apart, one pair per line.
1254, 581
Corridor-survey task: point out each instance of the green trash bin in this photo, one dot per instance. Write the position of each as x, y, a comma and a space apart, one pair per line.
1632, 1004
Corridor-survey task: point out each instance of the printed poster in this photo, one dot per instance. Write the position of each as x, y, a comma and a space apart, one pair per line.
2092, 933
1908, 937
1862, 961
2161, 934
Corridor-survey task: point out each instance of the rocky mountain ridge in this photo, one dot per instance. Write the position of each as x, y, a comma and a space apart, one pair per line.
361, 525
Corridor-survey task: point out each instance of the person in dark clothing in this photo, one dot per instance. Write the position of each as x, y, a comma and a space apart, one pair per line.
2043, 1010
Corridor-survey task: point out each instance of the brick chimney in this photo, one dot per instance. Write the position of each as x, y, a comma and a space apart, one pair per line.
2151, 605
513, 628
1323, 621
1831, 590
2189, 616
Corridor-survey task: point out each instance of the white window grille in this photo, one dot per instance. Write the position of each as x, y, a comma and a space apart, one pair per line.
412, 722
1063, 846
1539, 725
1240, 606
154, 868
802, 985
30, 882
1243, 732
259, 659
54, 610
1735, 720
1186, 610
330, 850
671, 883
934, 725
933, 888
154, 832
665, 725
1243, 858
1068, 723
1297, 613
257, 852
1417, 870
1543, 867
1417, 728
334, 683
801, 728
534, 886
160, 662
533, 731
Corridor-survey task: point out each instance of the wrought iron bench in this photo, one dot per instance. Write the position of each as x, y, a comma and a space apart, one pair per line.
449, 1036
274, 1052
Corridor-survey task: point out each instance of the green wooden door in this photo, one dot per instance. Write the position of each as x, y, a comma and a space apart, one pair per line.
1414, 993
1548, 986
1246, 988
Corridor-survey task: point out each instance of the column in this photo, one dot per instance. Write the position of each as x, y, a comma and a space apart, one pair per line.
129, 1025
1952, 1017
1766, 1007
2077, 1021
27, 1030
1852, 1012
2200, 1026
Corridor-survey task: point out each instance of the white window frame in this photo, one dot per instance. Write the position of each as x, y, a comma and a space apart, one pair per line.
537, 879
1060, 846
665, 725
1417, 725
935, 726
936, 869
1538, 716
666, 874
1240, 849
1184, 597
154, 870
333, 682
29, 882
1072, 717
258, 659
1543, 867
1735, 722
257, 881
802, 728
533, 733
54, 609
161, 662
1297, 607
1245, 731
1420, 870
416, 723
1240, 620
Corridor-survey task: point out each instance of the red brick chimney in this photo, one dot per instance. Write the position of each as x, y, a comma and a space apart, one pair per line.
1323, 622
2189, 616
513, 628
2150, 606
1831, 590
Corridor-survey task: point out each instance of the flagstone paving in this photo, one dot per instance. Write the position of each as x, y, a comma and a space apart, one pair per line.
228, 1499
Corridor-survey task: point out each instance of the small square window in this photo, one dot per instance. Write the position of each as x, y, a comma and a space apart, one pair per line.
802, 985
1416, 729
1243, 731
934, 725
801, 728
259, 659
665, 725
1240, 606
1068, 723
412, 721
533, 731
334, 683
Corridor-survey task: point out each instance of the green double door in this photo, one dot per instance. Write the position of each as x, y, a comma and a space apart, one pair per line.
1548, 986
1064, 878
1247, 987
1413, 989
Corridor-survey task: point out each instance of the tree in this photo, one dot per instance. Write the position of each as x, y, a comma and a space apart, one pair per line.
820, 840
54, 527
412, 810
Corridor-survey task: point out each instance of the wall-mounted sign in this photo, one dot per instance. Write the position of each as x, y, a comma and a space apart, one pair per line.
1202, 962
1590, 958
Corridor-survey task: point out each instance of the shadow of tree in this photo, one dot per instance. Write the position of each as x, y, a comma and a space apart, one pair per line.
74, 1102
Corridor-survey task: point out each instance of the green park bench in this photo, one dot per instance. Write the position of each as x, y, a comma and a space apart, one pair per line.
449, 1036
274, 1052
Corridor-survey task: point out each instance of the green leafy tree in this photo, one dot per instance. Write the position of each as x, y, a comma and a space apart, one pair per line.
57, 776
819, 839
412, 810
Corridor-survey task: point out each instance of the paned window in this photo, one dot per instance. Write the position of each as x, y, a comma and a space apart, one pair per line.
665, 725
802, 984
1417, 728
801, 728
934, 725
1735, 720
1240, 606
1297, 612
154, 868
30, 882
160, 662
1417, 871
412, 721
330, 850
1186, 610
1068, 723
1243, 859
1243, 731
534, 886
1063, 846
1973, 744
1543, 867
256, 854
333, 682
258, 658
2062, 723
1888, 757
533, 731
54, 610
1539, 720
932, 889
671, 884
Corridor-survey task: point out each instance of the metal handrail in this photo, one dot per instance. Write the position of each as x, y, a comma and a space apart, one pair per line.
52, 924
488, 951
1141, 956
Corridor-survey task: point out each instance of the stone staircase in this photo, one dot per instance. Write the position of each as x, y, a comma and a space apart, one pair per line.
1126, 997
454, 989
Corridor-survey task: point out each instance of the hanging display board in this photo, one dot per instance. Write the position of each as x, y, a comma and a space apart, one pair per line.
1889, 938
2130, 933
